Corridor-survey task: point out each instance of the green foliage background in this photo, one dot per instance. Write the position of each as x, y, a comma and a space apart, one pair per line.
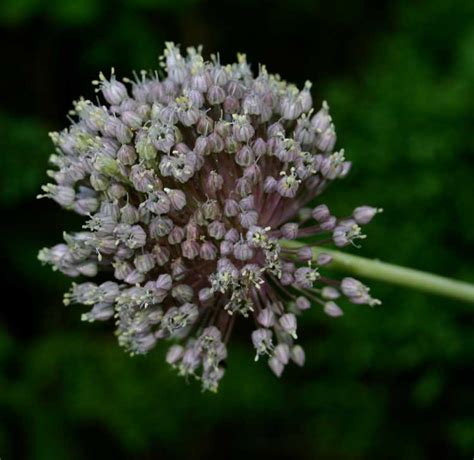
392, 382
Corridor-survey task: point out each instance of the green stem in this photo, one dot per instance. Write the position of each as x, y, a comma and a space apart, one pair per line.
394, 274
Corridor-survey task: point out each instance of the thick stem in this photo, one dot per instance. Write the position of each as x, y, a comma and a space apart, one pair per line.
393, 274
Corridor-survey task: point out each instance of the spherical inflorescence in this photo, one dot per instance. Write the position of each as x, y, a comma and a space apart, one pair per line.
190, 182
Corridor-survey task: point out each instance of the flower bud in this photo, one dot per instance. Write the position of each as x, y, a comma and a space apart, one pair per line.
289, 230
226, 248
64, 196
266, 317
190, 249
87, 269
215, 95
321, 213
247, 203
232, 235
323, 259
214, 182
329, 224
259, 147
164, 281
175, 353
176, 235
305, 254
364, 214
288, 323
160, 226
132, 119
282, 353
269, 185
231, 208
332, 309
242, 251
248, 218
231, 104
205, 295
245, 156
144, 262
134, 277
262, 341
208, 251
205, 125
303, 303
127, 155
276, 366
243, 131
192, 231
113, 91
322, 120
216, 144
162, 255
177, 198
297, 355
327, 140
216, 230
117, 191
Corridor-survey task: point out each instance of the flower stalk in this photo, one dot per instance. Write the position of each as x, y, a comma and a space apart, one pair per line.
393, 274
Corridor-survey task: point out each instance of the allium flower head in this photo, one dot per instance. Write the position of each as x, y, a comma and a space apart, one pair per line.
189, 182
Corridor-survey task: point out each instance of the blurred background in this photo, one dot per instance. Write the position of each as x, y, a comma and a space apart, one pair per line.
391, 382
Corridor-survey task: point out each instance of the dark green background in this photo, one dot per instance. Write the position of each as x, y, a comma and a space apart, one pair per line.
391, 382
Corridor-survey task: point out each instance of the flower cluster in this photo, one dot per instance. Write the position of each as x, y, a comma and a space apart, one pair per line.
191, 180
